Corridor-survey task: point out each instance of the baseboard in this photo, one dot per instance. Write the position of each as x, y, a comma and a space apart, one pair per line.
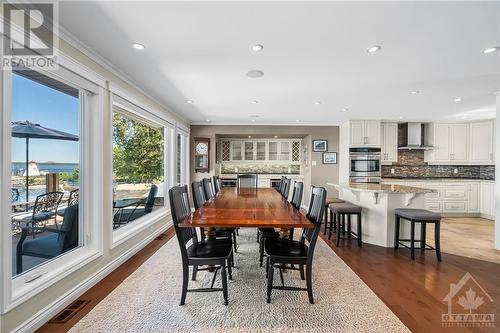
44, 315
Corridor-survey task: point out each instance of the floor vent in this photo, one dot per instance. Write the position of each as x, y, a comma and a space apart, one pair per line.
69, 312
161, 237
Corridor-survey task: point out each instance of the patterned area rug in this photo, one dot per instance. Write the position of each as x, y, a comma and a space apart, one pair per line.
148, 300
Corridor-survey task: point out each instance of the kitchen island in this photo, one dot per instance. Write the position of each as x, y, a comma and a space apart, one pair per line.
379, 202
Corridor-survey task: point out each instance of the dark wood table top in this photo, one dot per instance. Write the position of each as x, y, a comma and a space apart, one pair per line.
241, 208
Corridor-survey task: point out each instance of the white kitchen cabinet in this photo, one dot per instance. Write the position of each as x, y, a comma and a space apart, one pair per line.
389, 136
260, 147
261, 150
248, 151
482, 140
365, 133
474, 191
263, 183
451, 142
487, 206
236, 153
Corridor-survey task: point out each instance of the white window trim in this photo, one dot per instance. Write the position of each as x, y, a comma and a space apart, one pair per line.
184, 155
119, 98
17, 290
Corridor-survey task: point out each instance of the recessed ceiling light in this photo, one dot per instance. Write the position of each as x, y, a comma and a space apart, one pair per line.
317, 103
275, 136
458, 99
296, 120
401, 117
249, 136
373, 48
463, 117
255, 73
208, 120
491, 49
257, 47
138, 46
253, 120
189, 101
345, 109
255, 102
415, 92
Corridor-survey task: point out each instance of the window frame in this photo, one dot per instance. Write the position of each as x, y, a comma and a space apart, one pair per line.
23, 287
120, 99
184, 155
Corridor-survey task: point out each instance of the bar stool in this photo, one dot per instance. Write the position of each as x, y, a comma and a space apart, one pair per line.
328, 211
423, 217
341, 210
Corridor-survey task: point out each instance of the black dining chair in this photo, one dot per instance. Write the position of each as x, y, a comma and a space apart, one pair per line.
281, 252
264, 233
247, 181
199, 200
214, 252
285, 189
208, 188
217, 184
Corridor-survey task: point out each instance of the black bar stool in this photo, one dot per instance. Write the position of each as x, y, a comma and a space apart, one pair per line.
423, 217
328, 211
341, 211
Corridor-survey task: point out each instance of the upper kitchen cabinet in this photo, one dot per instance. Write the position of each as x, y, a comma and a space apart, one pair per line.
260, 150
482, 141
451, 143
365, 133
389, 142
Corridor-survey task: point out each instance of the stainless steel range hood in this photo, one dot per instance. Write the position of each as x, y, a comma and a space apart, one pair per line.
412, 136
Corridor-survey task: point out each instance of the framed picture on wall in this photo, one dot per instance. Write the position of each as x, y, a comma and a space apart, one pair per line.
320, 145
329, 158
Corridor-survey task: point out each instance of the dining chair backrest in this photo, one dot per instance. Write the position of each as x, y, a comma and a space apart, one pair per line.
150, 201
180, 207
68, 236
73, 197
198, 194
298, 191
217, 184
47, 202
315, 215
247, 181
207, 187
286, 187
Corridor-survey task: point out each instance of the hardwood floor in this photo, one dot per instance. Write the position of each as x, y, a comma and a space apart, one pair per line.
468, 237
413, 290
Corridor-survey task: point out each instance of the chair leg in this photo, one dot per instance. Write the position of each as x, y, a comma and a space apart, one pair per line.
261, 251
195, 270
412, 240
423, 232
309, 283
360, 231
327, 212
437, 232
270, 272
237, 231
224, 284
258, 235
232, 259
396, 232
234, 242
281, 277
349, 229
301, 270
337, 218
332, 222
229, 269
185, 281
202, 234
267, 266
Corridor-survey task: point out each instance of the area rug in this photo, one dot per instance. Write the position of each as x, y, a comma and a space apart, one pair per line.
148, 300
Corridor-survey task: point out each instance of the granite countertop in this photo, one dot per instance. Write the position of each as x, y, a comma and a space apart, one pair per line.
444, 179
381, 188
262, 175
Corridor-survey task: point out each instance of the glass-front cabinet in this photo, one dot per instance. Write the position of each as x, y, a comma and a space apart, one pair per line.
260, 150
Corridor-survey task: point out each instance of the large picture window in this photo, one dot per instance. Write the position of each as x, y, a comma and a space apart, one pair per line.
45, 170
138, 167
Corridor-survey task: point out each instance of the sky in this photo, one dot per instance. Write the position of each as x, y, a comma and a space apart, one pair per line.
49, 108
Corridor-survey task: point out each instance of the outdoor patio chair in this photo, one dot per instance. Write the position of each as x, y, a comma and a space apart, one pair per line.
72, 200
129, 214
14, 195
52, 245
45, 208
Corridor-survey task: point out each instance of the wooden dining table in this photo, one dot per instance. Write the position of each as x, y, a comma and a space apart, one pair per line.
247, 208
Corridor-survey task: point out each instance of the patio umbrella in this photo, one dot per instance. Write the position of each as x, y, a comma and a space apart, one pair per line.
29, 130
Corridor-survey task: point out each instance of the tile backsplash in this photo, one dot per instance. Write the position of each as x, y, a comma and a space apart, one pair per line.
260, 168
411, 165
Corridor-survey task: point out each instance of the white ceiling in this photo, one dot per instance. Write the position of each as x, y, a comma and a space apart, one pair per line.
312, 52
